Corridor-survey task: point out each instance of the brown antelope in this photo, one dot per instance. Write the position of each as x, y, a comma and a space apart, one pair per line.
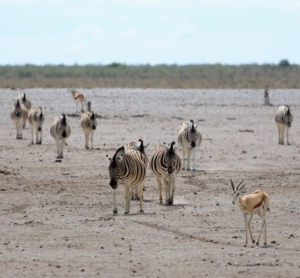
79, 98
254, 203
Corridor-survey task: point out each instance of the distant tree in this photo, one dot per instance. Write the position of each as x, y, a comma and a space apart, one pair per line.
284, 63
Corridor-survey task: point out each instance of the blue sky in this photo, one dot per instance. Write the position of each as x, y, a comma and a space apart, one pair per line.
149, 31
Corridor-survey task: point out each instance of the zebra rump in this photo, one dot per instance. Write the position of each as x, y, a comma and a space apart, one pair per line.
88, 123
283, 120
19, 116
36, 119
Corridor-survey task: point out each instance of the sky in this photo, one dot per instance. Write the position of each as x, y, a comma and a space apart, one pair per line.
151, 32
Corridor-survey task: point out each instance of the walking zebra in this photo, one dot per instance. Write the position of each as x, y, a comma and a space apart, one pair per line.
88, 123
165, 164
138, 146
60, 130
283, 119
19, 115
127, 169
24, 99
36, 119
190, 138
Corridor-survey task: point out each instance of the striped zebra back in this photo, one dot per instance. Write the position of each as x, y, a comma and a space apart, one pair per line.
138, 146
19, 112
164, 157
36, 116
189, 135
283, 115
127, 167
60, 127
88, 121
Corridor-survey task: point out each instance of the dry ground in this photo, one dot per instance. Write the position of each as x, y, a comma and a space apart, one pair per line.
57, 220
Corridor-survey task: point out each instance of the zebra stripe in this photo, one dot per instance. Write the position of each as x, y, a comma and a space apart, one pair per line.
127, 169
165, 164
24, 99
189, 138
88, 123
283, 120
60, 130
19, 116
36, 119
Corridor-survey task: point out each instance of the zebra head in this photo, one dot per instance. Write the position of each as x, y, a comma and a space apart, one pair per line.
192, 134
236, 191
63, 125
115, 167
170, 157
139, 146
93, 120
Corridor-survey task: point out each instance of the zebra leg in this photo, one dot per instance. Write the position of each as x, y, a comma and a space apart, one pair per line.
183, 157
281, 134
127, 199
36, 135
188, 168
87, 140
63, 142
115, 210
194, 156
140, 188
58, 146
32, 131
172, 187
158, 179
92, 139
287, 135
19, 129
41, 133
167, 189
136, 193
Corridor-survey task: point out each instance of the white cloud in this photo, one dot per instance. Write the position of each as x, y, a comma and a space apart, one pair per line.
87, 30
127, 33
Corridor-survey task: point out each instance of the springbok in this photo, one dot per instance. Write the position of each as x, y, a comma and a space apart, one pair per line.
254, 203
79, 98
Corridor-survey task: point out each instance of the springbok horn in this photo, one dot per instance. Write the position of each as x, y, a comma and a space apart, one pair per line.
232, 185
239, 185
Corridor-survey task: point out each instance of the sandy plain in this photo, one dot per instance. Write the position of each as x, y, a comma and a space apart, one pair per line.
57, 220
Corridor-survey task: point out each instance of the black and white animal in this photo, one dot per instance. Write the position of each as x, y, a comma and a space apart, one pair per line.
189, 138
24, 99
138, 146
166, 164
283, 119
266, 96
19, 116
257, 202
127, 169
60, 130
88, 123
36, 119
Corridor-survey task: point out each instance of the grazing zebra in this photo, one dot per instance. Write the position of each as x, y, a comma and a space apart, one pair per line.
19, 115
88, 123
189, 137
165, 164
79, 98
127, 169
24, 99
138, 146
36, 119
283, 119
60, 130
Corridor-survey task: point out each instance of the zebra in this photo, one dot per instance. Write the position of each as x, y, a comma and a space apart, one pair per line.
190, 138
165, 164
138, 146
36, 119
60, 130
24, 99
127, 169
88, 123
19, 115
266, 96
283, 119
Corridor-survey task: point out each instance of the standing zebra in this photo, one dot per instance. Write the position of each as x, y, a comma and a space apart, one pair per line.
60, 130
36, 119
138, 146
19, 115
190, 138
24, 99
165, 164
127, 169
283, 119
88, 123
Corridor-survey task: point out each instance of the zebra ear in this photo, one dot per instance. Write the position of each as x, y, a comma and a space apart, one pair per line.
120, 154
146, 146
108, 158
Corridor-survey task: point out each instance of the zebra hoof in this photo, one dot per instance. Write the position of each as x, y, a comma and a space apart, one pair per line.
126, 213
86, 147
257, 243
183, 168
160, 202
141, 211
253, 241
170, 202
115, 211
188, 169
265, 243
194, 170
